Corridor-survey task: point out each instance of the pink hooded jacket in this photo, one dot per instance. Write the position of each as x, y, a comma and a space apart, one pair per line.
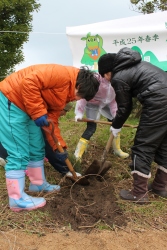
104, 96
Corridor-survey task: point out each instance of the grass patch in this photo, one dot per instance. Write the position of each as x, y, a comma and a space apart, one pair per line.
153, 215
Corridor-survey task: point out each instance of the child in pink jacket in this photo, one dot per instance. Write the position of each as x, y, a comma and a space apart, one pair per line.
104, 104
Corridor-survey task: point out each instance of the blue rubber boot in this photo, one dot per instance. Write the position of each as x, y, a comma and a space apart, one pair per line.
18, 199
37, 178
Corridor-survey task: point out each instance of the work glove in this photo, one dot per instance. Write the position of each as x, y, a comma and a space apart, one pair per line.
69, 174
42, 121
61, 156
78, 116
115, 131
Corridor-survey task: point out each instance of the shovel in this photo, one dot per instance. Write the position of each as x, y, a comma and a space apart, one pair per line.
104, 122
101, 167
79, 180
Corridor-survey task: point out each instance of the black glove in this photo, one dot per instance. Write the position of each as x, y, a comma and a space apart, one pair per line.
61, 156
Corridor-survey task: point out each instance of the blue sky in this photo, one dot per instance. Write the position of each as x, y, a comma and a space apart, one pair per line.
48, 42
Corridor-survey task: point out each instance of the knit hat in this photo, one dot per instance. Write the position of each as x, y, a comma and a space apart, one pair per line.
106, 63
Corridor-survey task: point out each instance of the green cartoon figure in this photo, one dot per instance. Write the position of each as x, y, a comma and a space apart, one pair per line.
93, 50
150, 57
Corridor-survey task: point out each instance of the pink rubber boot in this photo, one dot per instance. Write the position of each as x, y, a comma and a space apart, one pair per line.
18, 199
37, 177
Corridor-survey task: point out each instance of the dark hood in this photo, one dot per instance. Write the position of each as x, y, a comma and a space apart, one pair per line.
126, 58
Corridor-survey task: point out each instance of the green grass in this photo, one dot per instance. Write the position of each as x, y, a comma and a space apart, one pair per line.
147, 216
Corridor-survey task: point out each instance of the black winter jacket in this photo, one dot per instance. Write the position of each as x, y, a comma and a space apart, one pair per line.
135, 78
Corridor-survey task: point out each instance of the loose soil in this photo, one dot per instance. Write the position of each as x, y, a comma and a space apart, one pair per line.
85, 206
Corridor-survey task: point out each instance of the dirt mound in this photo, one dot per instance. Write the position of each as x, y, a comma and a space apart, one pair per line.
83, 207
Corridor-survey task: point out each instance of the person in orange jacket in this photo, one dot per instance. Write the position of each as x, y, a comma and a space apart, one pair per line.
28, 98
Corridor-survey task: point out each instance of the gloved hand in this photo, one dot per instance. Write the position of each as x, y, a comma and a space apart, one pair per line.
115, 131
42, 121
78, 116
61, 156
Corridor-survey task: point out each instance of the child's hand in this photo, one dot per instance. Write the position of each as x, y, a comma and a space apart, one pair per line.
78, 116
42, 121
115, 131
61, 156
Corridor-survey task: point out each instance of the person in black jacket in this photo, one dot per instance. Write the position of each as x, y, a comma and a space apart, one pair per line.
132, 77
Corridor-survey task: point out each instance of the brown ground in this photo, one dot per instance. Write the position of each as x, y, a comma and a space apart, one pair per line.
96, 240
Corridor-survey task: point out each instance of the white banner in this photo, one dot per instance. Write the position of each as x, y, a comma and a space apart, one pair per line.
145, 33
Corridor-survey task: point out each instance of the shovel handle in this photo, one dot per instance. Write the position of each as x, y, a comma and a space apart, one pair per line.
59, 147
107, 148
104, 122
69, 165
109, 142
95, 121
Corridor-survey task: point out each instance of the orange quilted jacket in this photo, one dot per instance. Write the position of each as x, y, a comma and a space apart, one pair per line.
42, 89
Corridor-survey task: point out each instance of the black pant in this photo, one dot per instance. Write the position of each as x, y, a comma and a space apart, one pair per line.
60, 166
150, 145
90, 130
3, 152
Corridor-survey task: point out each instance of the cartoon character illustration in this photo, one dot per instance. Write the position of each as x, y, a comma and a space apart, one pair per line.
93, 50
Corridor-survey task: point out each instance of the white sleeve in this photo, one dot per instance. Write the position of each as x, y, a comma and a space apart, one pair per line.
80, 109
113, 104
113, 107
